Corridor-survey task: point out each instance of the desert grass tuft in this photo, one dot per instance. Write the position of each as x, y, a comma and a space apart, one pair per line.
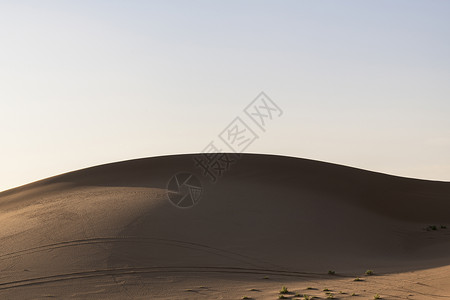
284, 290
431, 228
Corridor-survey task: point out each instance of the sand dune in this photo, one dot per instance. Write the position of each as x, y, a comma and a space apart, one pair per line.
110, 232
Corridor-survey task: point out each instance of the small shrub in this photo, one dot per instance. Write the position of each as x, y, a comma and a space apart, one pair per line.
245, 297
326, 290
377, 296
369, 272
431, 227
354, 294
331, 272
284, 290
306, 297
357, 279
330, 296
443, 227
282, 297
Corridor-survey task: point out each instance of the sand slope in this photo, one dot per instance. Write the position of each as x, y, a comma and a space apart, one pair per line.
110, 232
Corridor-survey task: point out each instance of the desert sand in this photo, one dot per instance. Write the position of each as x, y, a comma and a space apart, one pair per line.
110, 232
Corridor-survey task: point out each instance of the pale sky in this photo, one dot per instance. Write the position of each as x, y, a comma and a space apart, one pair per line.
361, 83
